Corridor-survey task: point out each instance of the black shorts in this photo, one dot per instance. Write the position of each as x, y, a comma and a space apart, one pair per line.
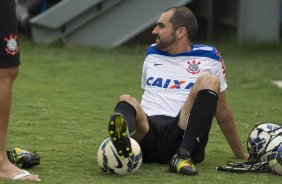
164, 138
9, 47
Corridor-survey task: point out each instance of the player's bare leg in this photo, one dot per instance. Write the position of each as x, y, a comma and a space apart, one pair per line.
8, 170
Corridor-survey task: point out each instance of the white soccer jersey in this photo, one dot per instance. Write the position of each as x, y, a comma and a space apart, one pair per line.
167, 79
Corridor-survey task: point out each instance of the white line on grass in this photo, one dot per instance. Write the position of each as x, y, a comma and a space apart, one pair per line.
278, 83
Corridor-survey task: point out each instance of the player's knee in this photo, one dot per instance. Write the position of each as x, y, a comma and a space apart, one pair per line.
124, 97
208, 81
208, 77
128, 98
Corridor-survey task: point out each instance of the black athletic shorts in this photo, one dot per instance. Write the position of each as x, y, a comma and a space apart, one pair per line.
164, 138
9, 47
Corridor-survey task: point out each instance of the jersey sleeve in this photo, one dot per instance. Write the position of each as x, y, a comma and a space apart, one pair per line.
150, 50
218, 69
143, 77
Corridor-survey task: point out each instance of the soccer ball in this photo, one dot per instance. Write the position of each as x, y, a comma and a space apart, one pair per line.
260, 137
110, 162
274, 154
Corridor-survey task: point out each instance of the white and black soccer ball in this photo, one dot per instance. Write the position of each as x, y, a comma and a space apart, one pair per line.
274, 155
110, 162
259, 138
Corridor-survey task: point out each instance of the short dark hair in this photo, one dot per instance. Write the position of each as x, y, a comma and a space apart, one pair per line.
184, 17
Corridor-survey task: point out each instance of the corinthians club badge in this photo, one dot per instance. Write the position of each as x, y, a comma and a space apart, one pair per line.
12, 47
193, 67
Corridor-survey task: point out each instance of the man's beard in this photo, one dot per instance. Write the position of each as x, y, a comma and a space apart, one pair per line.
163, 45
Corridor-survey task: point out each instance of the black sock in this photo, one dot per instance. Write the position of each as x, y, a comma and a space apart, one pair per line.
200, 119
129, 113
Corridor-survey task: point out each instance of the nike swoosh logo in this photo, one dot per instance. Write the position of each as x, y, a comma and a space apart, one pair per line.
117, 158
156, 64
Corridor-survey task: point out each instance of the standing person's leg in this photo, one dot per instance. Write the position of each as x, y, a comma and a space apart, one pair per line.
8, 170
7, 77
9, 61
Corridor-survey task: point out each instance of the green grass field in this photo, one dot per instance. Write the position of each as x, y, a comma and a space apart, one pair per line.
63, 97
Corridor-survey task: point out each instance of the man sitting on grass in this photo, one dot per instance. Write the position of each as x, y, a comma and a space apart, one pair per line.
184, 88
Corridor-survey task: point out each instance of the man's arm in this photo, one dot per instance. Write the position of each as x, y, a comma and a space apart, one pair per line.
227, 125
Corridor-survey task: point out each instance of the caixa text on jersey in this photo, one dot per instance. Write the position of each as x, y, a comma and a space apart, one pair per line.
169, 83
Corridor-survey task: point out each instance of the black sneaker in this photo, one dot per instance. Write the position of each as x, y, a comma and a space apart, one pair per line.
182, 163
118, 132
22, 158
